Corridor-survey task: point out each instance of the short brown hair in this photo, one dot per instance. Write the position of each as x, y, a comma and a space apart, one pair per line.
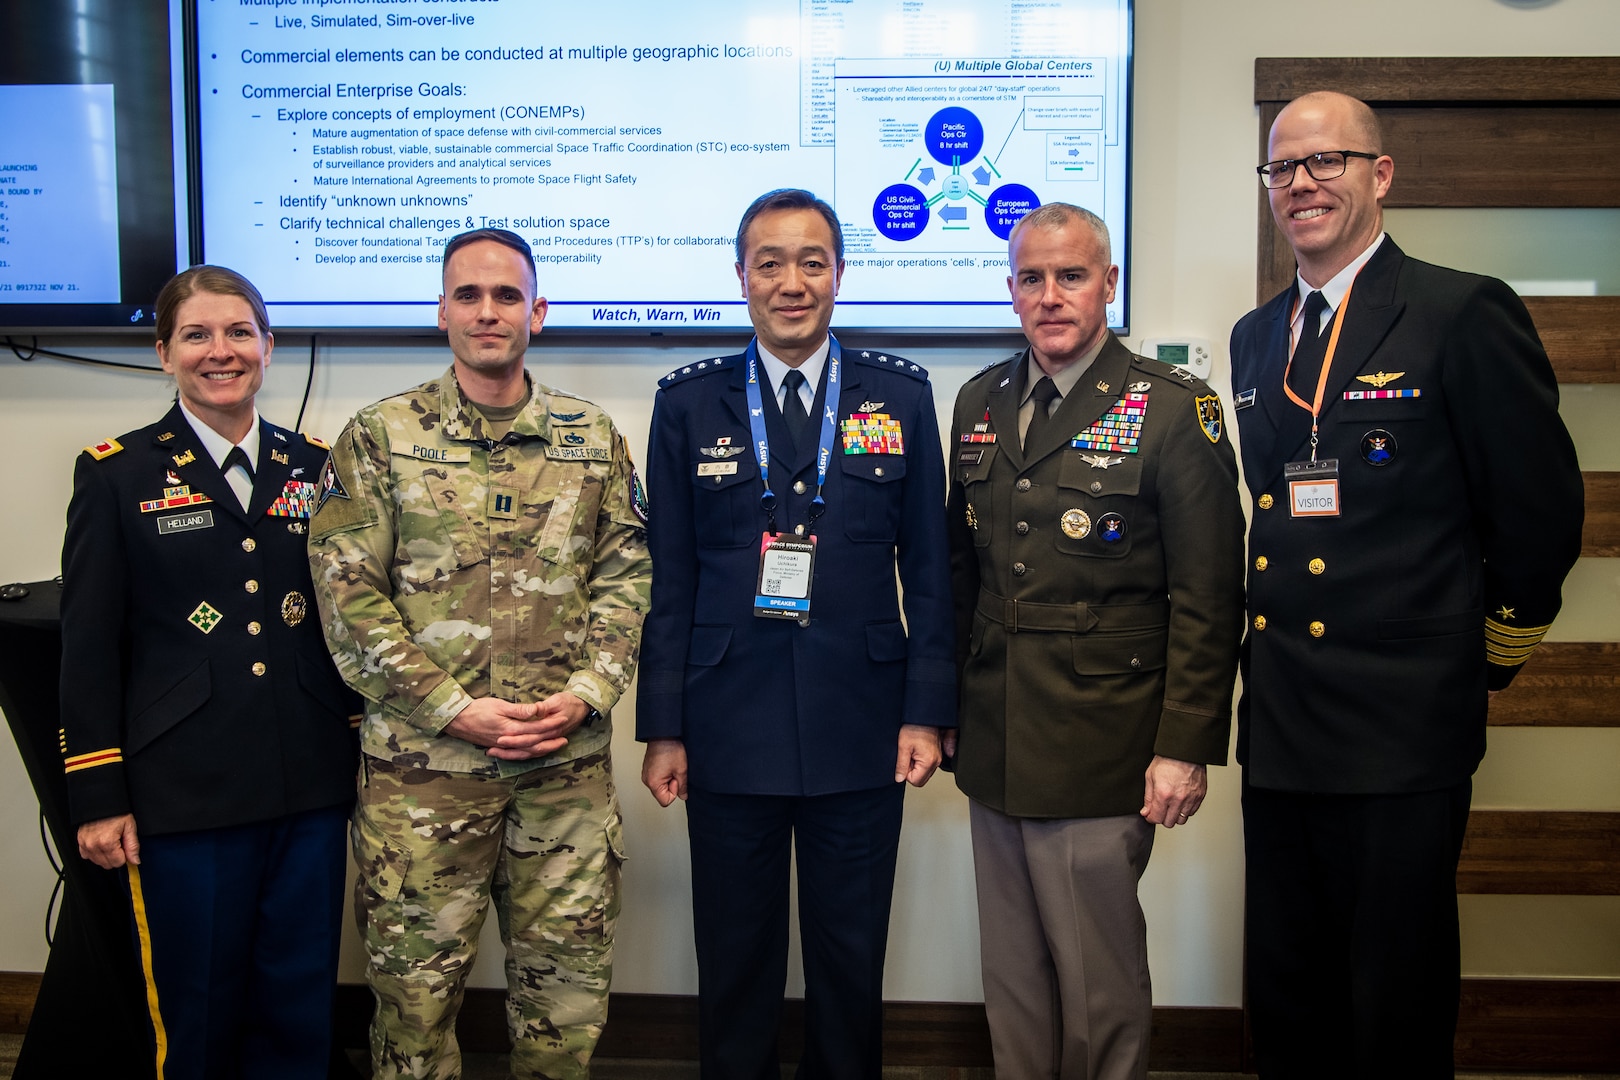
209, 279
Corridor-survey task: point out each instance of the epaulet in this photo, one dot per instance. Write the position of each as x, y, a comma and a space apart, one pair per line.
702, 367
106, 448
994, 364
892, 363
1171, 373
313, 441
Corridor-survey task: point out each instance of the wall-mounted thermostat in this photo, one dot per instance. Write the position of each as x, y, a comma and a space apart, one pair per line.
1188, 352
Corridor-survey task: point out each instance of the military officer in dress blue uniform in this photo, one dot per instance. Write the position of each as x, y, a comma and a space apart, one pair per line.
1417, 505
207, 738
781, 695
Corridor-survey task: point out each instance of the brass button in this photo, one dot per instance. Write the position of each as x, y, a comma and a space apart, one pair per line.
1096, 486
1317, 629
1317, 566
249, 544
254, 628
878, 471
1020, 569
798, 487
1022, 485
1022, 528
258, 667
718, 480
1261, 562
1136, 661
1259, 622
250, 585
1266, 501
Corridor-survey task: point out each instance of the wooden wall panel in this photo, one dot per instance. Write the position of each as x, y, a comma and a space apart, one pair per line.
1600, 536
1541, 853
1582, 335
1563, 684
1539, 1024
1441, 78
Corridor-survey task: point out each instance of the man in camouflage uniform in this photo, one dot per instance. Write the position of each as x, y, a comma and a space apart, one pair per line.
481, 565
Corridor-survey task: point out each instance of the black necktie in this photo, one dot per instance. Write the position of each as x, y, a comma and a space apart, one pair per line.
238, 456
793, 410
1311, 349
1044, 394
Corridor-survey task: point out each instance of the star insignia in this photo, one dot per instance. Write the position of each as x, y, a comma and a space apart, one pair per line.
1379, 380
866, 354
1101, 461
702, 364
1504, 613
1184, 375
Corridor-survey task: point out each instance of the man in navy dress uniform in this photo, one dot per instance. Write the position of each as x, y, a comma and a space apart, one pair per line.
1417, 505
781, 695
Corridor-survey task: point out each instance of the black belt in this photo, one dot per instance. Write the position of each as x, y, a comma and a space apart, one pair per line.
1022, 616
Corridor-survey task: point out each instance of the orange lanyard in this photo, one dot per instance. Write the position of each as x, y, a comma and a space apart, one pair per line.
1315, 407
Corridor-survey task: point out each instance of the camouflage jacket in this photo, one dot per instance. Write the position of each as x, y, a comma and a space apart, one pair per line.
449, 567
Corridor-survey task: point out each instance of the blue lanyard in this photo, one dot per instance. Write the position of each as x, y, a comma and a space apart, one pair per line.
762, 446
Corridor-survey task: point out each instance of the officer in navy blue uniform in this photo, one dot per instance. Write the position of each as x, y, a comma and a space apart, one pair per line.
206, 735
781, 696
1389, 593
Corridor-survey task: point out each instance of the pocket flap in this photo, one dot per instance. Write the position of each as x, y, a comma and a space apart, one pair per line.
708, 645
1119, 654
190, 693
382, 865
886, 641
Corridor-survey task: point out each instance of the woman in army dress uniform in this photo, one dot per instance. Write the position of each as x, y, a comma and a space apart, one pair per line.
205, 734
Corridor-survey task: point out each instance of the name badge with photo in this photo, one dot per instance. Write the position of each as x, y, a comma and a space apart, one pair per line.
1313, 487
786, 566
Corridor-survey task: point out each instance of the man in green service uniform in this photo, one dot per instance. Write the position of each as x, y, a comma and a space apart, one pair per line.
1097, 572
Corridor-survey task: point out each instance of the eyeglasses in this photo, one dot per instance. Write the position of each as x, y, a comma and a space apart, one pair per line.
1323, 166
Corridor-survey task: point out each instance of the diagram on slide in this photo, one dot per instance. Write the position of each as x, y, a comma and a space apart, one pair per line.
946, 155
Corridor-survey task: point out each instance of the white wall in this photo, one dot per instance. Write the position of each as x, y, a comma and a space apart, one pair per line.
1193, 244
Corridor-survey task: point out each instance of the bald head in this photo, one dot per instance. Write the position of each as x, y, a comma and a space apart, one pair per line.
1353, 115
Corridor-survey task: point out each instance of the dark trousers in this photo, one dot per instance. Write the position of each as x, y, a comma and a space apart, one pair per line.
846, 845
238, 929
1351, 936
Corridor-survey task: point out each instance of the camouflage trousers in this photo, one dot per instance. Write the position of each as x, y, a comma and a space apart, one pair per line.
433, 848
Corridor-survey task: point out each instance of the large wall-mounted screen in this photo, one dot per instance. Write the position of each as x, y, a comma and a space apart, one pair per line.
93, 212
343, 140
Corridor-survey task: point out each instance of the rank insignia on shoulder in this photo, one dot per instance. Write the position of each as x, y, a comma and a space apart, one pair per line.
1184, 375
104, 449
1209, 416
313, 441
1379, 379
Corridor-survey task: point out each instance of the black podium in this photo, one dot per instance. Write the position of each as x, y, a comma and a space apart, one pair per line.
89, 1018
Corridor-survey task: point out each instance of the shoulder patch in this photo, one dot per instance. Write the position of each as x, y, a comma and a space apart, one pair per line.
106, 448
313, 441
876, 359
702, 367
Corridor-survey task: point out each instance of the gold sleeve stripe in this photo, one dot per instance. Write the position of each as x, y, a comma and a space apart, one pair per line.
1508, 646
144, 931
91, 760
1522, 633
